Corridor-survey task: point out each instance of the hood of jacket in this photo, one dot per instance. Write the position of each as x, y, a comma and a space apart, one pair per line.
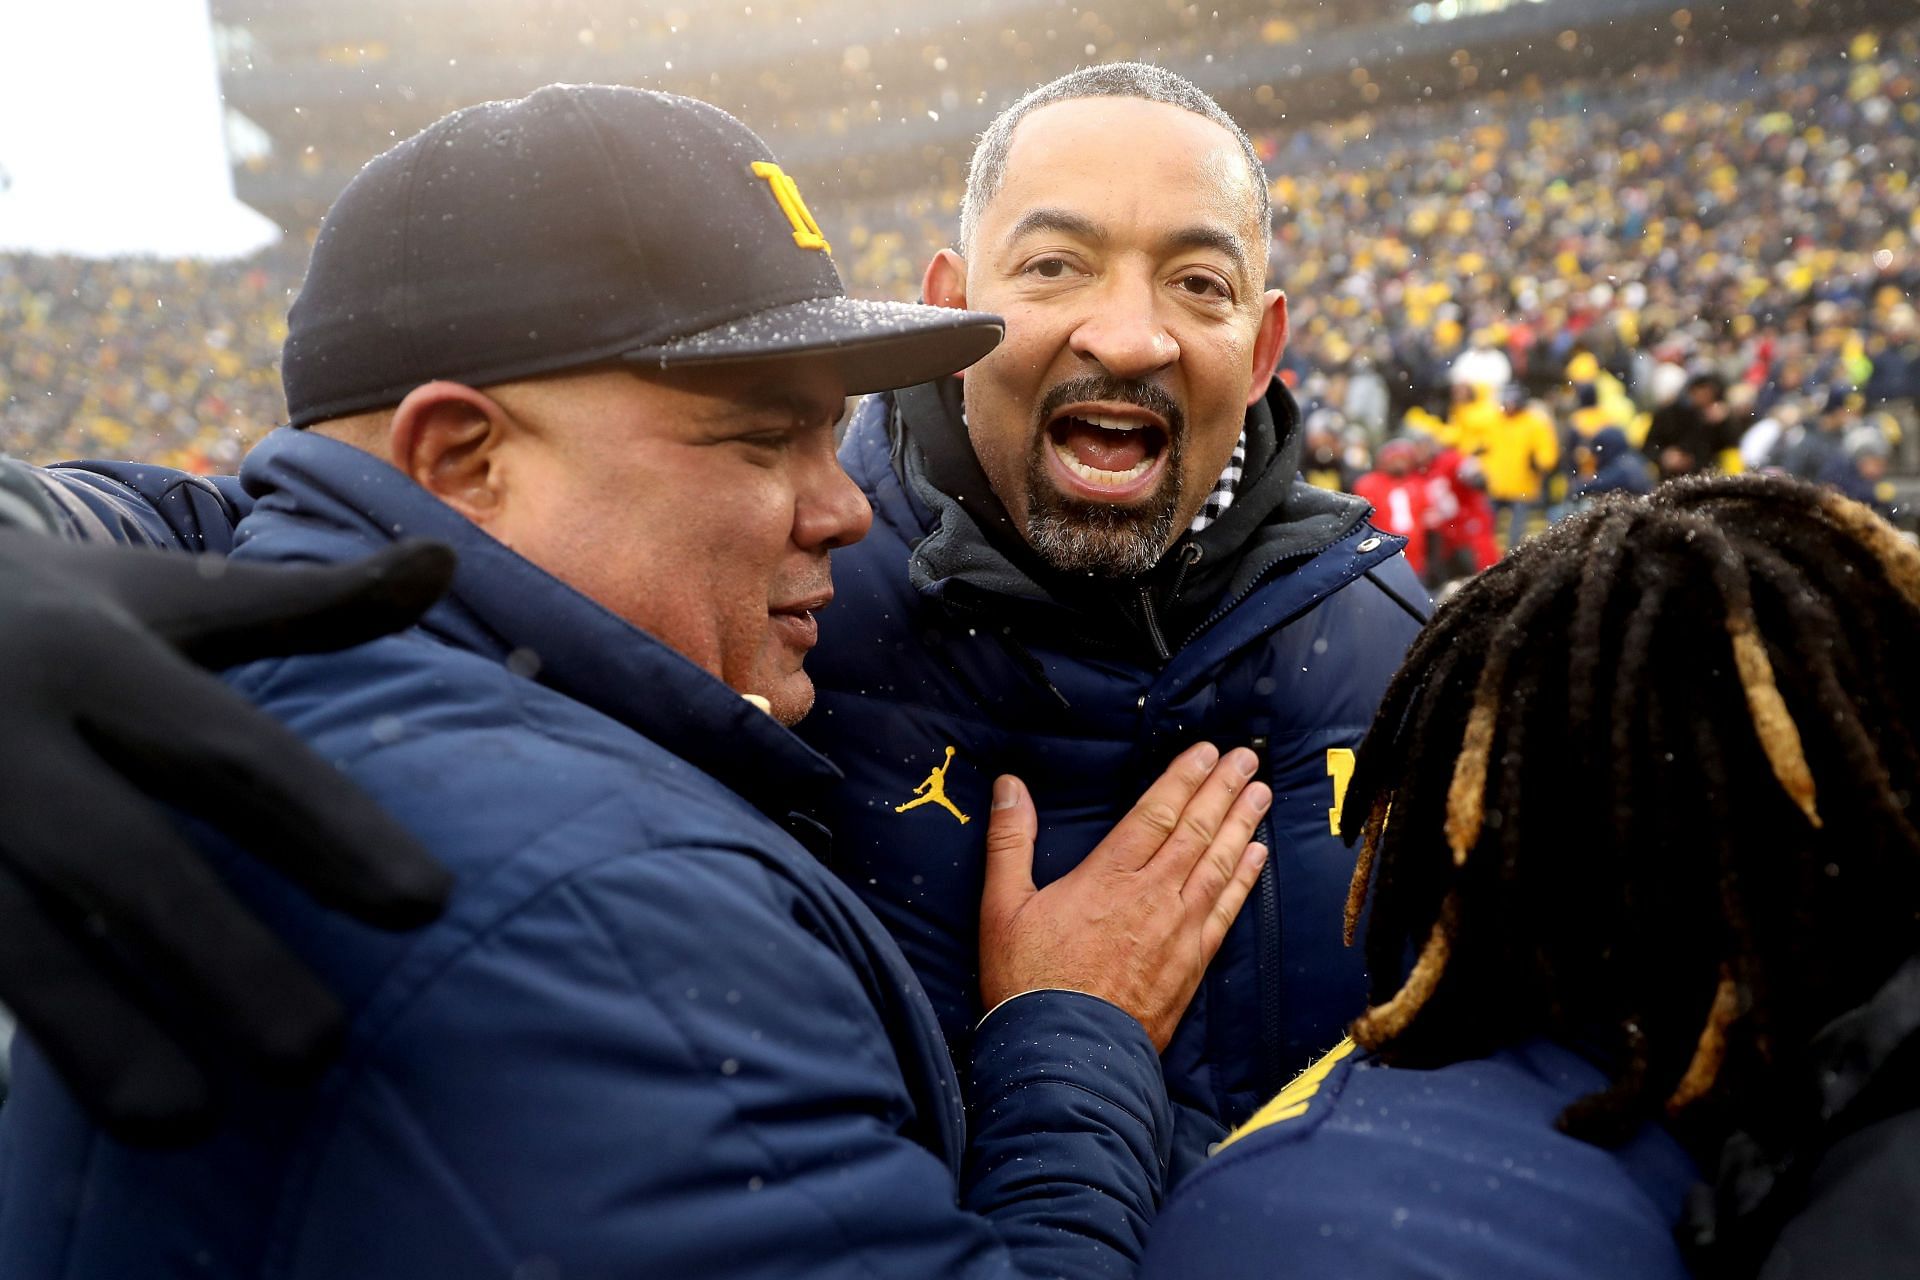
974, 547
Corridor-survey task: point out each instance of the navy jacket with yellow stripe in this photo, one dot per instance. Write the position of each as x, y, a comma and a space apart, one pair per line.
950, 656
1372, 1172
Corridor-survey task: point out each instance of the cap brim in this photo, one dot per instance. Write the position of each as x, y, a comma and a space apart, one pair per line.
878, 345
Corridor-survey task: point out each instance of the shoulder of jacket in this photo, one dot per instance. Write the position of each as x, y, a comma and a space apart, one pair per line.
513, 740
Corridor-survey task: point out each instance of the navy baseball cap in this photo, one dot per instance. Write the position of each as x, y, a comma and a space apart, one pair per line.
580, 225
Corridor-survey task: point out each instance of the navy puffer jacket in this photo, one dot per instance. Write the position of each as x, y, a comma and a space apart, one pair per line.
949, 657
651, 1036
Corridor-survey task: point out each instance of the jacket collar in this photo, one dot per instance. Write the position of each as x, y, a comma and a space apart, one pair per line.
320, 499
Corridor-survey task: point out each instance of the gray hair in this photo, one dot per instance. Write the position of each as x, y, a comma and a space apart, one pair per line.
988, 169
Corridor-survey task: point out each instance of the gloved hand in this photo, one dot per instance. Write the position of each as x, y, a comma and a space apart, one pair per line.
122, 953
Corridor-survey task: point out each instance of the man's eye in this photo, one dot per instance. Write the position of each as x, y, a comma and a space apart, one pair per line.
1201, 285
1048, 268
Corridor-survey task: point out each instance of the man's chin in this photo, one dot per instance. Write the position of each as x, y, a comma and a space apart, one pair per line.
1109, 543
789, 697
1110, 539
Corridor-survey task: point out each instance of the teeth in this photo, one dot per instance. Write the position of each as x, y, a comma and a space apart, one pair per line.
1095, 475
1112, 424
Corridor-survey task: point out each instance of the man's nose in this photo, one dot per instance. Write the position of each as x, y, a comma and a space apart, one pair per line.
1126, 334
832, 511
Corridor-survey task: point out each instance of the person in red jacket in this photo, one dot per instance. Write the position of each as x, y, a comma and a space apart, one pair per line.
1459, 513
1398, 493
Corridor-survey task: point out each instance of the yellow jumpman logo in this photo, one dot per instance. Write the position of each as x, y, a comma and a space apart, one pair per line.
934, 791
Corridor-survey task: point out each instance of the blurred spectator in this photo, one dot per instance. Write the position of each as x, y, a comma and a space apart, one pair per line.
1325, 461
1689, 435
1519, 451
1860, 469
1813, 453
1472, 416
1459, 516
1368, 403
1599, 399
1764, 443
1399, 497
1483, 365
1617, 467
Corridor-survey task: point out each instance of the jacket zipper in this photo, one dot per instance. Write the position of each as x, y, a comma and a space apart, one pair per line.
1190, 553
1273, 1074
1153, 625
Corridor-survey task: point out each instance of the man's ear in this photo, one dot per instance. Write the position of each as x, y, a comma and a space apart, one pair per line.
447, 436
1268, 344
945, 284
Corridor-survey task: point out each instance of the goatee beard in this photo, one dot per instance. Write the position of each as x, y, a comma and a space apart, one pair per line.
1107, 540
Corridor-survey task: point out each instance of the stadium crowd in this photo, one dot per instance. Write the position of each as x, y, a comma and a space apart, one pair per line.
1756, 225
168, 361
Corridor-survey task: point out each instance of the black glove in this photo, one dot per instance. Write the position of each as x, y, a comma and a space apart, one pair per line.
121, 951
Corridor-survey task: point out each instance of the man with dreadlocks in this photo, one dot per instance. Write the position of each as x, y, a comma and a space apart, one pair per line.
1637, 807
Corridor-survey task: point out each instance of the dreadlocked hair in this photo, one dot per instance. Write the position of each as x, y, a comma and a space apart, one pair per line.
1644, 787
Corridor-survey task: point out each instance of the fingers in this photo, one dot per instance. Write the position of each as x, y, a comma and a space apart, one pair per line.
1225, 907
1155, 818
1227, 792
1215, 867
214, 755
1011, 829
221, 612
122, 1067
153, 904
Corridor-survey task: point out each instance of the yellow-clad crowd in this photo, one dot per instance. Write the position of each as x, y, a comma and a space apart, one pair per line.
160, 360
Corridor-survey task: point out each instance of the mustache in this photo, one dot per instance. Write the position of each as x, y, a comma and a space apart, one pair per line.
1093, 386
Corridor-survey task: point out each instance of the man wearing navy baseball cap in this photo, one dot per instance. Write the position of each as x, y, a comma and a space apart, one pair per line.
594, 342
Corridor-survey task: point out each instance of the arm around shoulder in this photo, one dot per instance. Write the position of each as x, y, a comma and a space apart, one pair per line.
132, 504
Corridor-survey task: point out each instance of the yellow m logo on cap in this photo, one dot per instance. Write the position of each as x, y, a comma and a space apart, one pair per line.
806, 232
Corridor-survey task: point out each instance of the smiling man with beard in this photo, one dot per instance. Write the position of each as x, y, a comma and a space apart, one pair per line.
1095, 547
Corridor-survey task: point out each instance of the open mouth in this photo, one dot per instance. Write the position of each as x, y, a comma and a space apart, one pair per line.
1106, 451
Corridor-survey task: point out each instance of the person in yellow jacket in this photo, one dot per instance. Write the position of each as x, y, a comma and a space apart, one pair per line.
1518, 450
1604, 401
1472, 417
1592, 414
